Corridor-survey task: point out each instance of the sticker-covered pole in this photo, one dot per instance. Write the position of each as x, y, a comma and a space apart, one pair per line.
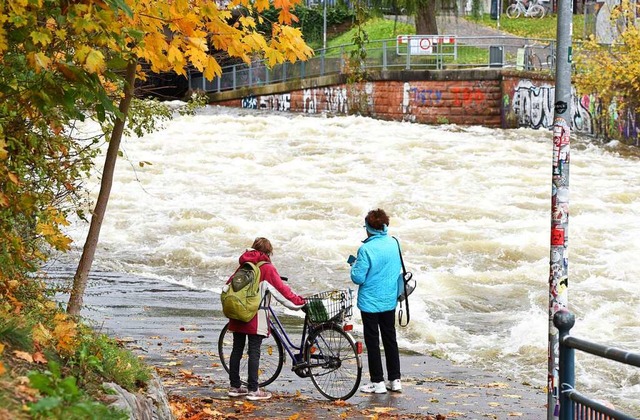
559, 254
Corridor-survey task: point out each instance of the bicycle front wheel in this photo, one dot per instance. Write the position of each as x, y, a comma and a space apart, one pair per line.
271, 357
334, 362
513, 11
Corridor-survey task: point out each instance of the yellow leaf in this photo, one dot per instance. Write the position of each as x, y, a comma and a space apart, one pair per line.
262, 5
41, 38
3, 149
295, 416
213, 69
174, 55
41, 335
13, 178
65, 335
2, 369
95, 62
23, 355
1, 348
383, 409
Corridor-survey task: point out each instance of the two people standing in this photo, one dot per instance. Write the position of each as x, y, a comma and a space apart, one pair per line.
375, 271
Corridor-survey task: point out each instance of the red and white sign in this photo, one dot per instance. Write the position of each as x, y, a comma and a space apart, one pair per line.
423, 44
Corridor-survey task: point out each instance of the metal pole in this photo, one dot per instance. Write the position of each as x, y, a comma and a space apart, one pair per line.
559, 255
564, 321
324, 24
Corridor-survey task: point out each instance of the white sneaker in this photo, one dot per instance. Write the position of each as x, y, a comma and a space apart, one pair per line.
374, 388
260, 394
395, 385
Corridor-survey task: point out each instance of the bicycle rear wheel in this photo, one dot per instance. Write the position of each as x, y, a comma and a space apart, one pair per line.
536, 11
334, 362
271, 357
513, 11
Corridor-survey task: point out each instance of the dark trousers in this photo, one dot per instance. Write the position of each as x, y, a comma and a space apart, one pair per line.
239, 340
375, 325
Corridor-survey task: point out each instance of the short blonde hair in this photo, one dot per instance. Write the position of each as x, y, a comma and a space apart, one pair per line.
263, 245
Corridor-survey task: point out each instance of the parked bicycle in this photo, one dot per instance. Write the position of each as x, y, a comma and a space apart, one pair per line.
530, 9
327, 352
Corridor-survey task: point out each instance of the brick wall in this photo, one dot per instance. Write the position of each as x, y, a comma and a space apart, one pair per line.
491, 98
465, 102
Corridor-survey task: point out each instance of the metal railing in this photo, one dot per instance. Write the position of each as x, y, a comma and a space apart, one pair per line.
406, 52
574, 405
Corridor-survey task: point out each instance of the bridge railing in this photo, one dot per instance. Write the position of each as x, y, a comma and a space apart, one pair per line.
573, 404
406, 52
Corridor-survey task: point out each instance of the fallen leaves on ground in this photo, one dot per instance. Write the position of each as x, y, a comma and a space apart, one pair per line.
23, 355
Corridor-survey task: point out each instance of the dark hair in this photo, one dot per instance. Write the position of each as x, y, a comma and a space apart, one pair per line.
263, 245
377, 219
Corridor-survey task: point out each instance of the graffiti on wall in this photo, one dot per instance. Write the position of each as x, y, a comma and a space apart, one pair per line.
280, 102
533, 107
250, 102
425, 97
329, 99
460, 96
468, 96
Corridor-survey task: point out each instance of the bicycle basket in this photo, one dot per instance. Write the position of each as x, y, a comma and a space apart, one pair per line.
334, 306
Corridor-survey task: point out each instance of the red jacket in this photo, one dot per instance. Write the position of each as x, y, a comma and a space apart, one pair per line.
271, 284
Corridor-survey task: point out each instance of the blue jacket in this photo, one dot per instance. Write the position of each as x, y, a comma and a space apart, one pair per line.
376, 272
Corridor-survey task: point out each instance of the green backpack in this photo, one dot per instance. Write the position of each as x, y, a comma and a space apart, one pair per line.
242, 298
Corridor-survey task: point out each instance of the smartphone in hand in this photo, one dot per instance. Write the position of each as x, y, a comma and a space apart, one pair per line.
351, 259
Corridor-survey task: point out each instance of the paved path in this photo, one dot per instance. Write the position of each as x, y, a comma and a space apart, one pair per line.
176, 329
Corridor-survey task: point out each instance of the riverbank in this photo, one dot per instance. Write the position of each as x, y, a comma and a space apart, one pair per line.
175, 329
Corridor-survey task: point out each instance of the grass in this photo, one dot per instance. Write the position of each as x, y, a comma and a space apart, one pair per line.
544, 28
376, 29
531, 28
53, 367
384, 29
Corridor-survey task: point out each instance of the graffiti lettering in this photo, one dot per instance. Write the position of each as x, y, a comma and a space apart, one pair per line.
468, 96
276, 102
334, 99
533, 105
250, 102
426, 97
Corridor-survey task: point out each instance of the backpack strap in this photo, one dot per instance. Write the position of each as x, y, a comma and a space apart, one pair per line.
404, 283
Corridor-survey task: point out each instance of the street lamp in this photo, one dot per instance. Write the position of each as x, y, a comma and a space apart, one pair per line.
324, 24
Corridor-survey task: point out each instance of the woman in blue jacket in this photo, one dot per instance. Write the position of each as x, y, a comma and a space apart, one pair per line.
375, 271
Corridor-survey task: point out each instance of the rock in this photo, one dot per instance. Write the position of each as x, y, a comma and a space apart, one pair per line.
151, 405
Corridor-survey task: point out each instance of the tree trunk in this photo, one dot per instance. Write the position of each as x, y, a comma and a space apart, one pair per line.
90, 245
426, 23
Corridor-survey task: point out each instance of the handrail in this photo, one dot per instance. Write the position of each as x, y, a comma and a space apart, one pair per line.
572, 403
458, 52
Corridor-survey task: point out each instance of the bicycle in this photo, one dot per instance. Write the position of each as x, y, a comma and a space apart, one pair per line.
327, 353
531, 59
533, 10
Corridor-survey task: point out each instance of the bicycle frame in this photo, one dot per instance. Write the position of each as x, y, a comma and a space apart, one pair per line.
278, 329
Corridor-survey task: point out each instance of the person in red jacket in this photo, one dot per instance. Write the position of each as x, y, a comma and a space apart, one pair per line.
257, 328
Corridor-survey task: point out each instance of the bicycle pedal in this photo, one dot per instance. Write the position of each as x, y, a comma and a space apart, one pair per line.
301, 371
